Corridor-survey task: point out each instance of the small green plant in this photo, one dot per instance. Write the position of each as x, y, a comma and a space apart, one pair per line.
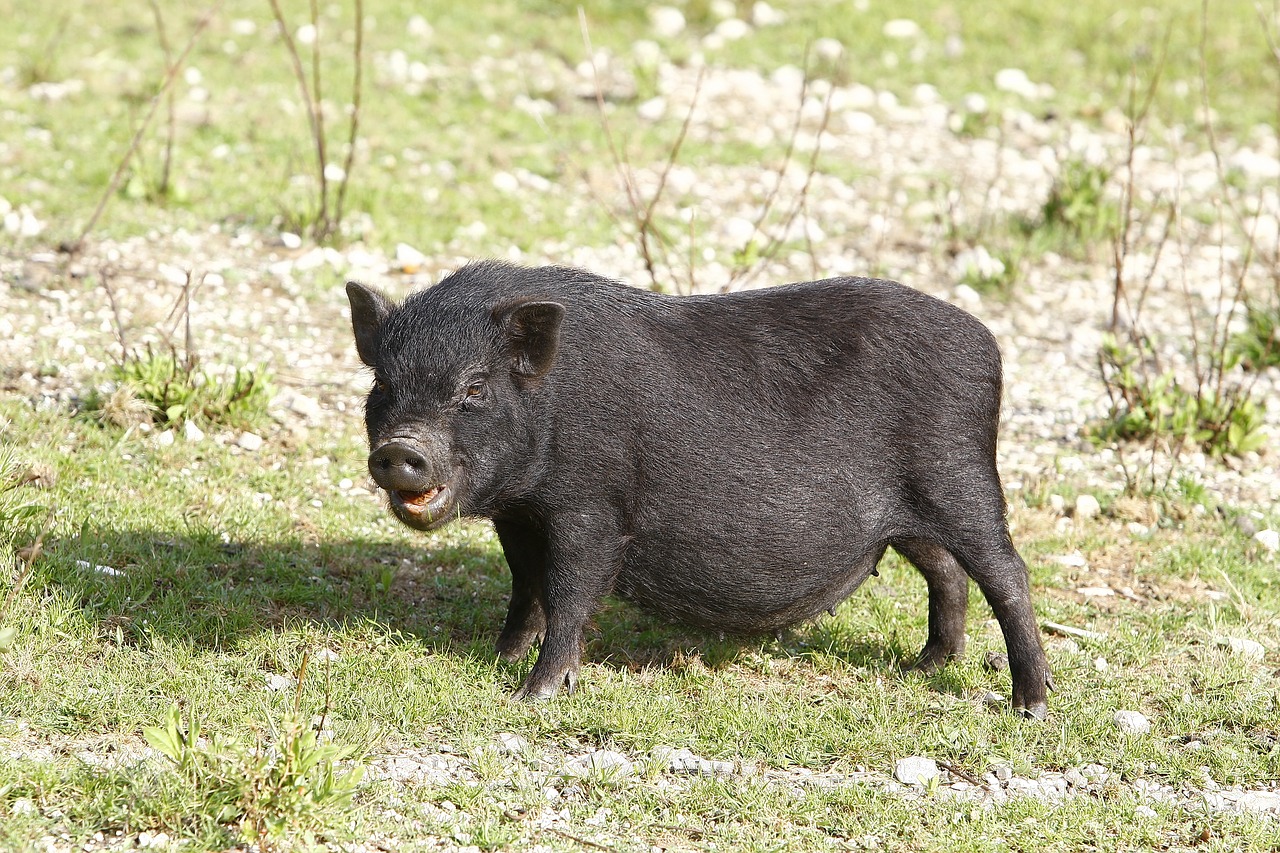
1149, 404
1078, 205
169, 391
17, 512
273, 791
987, 273
1258, 346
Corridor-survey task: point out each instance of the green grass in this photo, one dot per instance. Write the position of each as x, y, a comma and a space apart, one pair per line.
203, 577
217, 592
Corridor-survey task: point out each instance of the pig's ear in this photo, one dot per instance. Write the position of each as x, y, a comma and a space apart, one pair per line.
533, 335
368, 309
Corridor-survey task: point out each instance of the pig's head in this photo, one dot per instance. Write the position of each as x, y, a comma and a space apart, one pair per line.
450, 421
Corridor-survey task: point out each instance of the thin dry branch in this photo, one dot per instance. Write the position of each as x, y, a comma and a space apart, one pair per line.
170, 74
356, 86
311, 100
779, 236
172, 126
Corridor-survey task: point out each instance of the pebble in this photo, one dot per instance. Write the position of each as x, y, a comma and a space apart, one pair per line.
512, 744
1268, 539
249, 441
603, 764
666, 21
1131, 722
684, 761
276, 683
915, 770
901, 28
192, 433
1243, 647
1087, 507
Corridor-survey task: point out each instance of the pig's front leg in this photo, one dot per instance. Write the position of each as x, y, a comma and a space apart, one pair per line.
581, 564
525, 548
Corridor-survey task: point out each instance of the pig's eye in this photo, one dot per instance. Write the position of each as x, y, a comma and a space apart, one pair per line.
475, 390
377, 394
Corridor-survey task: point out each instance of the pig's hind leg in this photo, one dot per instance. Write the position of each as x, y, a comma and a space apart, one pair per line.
526, 552
1000, 573
948, 601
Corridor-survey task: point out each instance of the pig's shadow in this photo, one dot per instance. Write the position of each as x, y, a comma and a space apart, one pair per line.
197, 588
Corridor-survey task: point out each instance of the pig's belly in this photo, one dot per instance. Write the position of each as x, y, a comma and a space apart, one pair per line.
746, 590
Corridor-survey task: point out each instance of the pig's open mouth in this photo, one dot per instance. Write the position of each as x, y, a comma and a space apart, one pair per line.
431, 508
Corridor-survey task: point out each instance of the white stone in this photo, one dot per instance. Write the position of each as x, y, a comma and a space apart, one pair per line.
733, 29
1259, 801
647, 53
1087, 506
306, 34
276, 683
966, 297
505, 182
901, 28
510, 743
764, 15
250, 441
666, 21
828, 49
1268, 539
408, 259
1245, 648
148, 840
419, 28
603, 763
1074, 560
652, 109
739, 231
165, 439
1015, 81
915, 770
191, 432
1131, 722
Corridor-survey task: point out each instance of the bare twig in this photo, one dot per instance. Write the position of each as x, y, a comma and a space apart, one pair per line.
170, 74
105, 276
744, 275
355, 115
642, 213
646, 221
171, 130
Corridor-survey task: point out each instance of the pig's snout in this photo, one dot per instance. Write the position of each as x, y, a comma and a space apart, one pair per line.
422, 493
400, 467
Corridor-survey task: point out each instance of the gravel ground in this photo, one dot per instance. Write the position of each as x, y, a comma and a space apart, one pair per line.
908, 183
563, 780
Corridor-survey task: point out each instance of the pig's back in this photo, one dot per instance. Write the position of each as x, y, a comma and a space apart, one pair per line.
763, 446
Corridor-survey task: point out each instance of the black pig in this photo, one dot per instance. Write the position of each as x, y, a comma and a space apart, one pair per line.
737, 462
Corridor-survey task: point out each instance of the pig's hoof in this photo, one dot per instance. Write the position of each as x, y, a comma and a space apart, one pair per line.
1035, 711
526, 693
544, 689
932, 658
